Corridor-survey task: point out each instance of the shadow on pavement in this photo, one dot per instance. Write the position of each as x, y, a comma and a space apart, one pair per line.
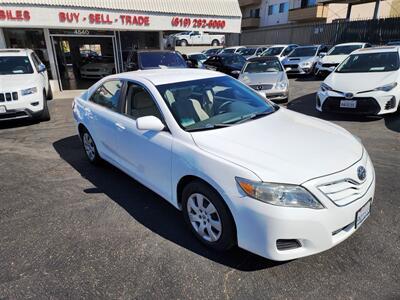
149, 209
17, 123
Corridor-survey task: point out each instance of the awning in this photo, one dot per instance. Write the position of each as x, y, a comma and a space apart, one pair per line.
147, 15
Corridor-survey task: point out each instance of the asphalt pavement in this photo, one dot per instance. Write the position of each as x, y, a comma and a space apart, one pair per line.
70, 230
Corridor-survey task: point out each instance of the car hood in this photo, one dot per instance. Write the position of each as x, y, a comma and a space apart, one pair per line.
333, 59
350, 82
298, 60
17, 82
284, 147
262, 78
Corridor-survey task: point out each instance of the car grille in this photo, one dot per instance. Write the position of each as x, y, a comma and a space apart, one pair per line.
293, 66
329, 65
365, 106
346, 191
260, 87
12, 96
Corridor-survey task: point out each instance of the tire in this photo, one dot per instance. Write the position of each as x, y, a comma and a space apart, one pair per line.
183, 43
215, 43
49, 93
212, 225
90, 147
45, 115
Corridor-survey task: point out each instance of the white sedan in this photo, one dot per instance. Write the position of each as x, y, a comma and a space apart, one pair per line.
208, 144
366, 83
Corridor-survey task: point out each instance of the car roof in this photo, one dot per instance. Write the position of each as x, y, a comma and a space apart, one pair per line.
235, 47
15, 52
166, 76
280, 45
377, 50
351, 44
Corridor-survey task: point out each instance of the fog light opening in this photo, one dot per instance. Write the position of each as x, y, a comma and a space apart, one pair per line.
284, 244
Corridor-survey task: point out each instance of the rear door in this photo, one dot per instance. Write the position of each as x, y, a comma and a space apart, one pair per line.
145, 155
101, 115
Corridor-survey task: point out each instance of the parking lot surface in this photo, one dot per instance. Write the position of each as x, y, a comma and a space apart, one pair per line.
72, 230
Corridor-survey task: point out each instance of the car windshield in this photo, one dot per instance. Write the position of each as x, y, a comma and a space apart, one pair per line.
15, 65
230, 50
303, 52
213, 103
198, 56
152, 60
273, 51
248, 51
263, 67
233, 60
344, 50
211, 51
370, 62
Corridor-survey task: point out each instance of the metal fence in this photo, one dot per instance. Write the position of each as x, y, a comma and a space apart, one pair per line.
378, 32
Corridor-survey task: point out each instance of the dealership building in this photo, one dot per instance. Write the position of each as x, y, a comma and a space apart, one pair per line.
69, 33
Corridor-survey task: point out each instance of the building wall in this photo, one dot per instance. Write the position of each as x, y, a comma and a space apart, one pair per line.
277, 17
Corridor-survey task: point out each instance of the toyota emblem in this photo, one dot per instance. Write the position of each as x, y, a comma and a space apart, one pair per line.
361, 173
349, 95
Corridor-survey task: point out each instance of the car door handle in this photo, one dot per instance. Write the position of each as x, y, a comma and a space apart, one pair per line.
120, 126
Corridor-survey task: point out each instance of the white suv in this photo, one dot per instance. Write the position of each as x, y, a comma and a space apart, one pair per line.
24, 86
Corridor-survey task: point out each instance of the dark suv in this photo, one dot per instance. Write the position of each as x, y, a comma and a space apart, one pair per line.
154, 59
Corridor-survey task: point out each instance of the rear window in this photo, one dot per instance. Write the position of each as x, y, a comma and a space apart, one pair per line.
153, 60
15, 65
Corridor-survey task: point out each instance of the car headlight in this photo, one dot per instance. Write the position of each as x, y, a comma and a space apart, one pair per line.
282, 85
387, 87
29, 91
306, 64
325, 87
279, 194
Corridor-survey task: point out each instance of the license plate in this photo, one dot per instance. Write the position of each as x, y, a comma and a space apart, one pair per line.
348, 103
363, 214
3, 110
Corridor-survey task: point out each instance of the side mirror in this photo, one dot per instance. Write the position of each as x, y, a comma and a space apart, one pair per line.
41, 68
149, 123
322, 54
132, 66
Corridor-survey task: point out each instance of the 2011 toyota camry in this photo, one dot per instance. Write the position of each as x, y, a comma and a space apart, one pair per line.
242, 170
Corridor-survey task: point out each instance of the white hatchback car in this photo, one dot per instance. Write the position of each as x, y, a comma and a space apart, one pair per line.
208, 144
24, 86
367, 83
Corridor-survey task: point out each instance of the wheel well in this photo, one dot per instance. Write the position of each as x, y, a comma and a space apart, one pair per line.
81, 129
189, 178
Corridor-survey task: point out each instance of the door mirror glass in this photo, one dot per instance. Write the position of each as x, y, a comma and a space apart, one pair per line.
41, 68
149, 123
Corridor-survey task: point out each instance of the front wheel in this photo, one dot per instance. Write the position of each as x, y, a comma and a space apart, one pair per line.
45, 115
207, 216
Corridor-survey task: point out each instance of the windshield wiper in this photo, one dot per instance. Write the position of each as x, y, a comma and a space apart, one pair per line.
252, 116
209, 127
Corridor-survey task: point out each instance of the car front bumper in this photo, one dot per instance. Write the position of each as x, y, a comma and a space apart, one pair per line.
371, 103
297, 69
29, 106
275, 94
262, 227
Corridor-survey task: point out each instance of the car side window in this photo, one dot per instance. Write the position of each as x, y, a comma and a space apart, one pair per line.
108, 95
139, 103
287, 51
